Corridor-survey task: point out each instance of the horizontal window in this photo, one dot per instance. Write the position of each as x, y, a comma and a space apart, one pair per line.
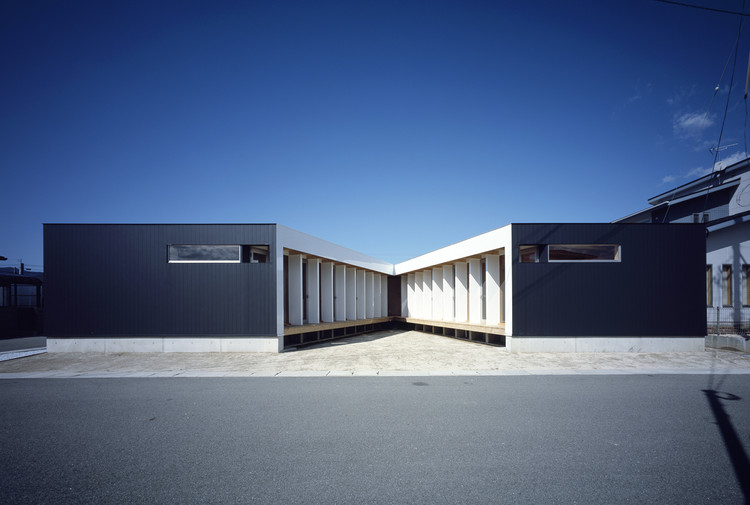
193, 253
204, 253
584, 252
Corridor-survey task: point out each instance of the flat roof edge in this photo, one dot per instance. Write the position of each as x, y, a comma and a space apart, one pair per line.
299, 241
493, 239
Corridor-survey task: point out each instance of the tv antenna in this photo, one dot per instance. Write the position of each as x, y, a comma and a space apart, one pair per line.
717, 152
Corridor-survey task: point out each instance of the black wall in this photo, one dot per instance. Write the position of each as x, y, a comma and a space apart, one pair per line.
657, 289
114, 280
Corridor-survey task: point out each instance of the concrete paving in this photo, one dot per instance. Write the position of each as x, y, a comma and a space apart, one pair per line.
22, 343
385, 353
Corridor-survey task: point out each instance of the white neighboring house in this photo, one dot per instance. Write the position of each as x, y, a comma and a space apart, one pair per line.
720, 200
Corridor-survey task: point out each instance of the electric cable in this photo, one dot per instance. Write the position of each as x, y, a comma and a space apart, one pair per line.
747, 81
729, 95
744, 130
717, 155
731, 84
712, 9
718, 85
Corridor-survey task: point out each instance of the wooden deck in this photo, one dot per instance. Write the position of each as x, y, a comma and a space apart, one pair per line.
307, 328
315, 333
498, 329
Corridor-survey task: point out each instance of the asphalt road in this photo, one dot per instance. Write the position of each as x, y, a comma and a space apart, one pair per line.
536, 439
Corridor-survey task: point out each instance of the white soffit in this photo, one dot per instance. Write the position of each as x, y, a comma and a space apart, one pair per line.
302, 242
489, 241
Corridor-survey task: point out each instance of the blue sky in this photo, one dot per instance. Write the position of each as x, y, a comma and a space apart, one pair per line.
392, 128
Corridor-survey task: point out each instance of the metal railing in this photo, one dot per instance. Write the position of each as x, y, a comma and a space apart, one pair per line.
728, 321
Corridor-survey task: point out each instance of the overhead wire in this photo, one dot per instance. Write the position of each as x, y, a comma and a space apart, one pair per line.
717, 154
702, 7
731, 84
718, 85
747, 81
729, 93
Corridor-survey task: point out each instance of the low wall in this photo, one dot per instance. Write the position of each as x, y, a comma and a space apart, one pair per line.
730, 342
164, 344
605, 344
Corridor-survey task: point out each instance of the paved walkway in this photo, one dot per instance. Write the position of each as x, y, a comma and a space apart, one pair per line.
22, 343
382, 353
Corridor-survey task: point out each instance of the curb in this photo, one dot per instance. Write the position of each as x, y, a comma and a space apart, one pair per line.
369, 373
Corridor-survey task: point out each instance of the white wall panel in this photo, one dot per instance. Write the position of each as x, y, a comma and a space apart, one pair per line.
448, 283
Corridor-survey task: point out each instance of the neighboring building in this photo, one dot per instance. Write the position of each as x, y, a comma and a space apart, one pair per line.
20, 304
721, 202
265, 287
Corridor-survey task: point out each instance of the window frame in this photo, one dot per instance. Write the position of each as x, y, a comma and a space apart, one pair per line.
709, 285
261, 250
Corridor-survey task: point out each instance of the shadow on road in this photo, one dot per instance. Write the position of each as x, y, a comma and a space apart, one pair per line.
732, 442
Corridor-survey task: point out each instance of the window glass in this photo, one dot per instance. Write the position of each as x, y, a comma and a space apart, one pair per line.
254, 253
584, 252
528, 254
258, 254
746, 285
726, 284
709, 286
204, 253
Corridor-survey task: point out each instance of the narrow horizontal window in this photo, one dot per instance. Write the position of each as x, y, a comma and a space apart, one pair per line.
204, 253
528, 254
584, 252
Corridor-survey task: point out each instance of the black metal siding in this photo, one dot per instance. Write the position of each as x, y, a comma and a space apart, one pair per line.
114, 280
657, 289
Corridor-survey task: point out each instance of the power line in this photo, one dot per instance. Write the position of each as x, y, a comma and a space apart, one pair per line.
718, 85
731, 84
717, 156
723, 11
